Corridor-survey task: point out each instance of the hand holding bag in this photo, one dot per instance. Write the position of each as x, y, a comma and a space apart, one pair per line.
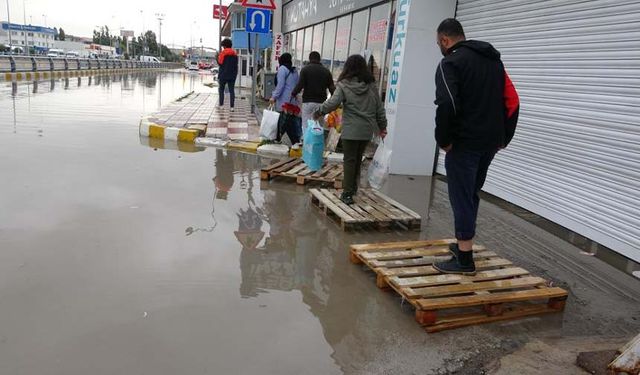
269, 124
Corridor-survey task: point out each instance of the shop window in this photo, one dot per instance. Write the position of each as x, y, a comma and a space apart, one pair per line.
299, 46
318, 31
377, 39
308, 38
341, 50
358, 41
328, 43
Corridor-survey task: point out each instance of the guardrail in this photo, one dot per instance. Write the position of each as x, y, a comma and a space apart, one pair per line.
13, 63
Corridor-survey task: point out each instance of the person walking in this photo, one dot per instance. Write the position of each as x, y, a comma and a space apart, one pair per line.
476, 116
315, 80
363, 116
286, 80
227, 72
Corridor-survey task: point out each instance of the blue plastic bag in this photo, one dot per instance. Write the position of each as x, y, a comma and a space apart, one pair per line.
313, 149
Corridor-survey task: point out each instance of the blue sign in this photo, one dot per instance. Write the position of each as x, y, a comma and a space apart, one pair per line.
18, 27
258, 21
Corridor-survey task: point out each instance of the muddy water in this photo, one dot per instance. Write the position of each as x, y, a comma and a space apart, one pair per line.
116, 258
120, 258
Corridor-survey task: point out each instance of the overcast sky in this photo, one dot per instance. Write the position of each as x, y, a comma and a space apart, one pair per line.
80, 17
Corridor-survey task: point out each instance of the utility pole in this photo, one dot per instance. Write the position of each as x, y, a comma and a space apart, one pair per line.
160, 18
220, 28
24, 27
9, 29
45, 20
144, 37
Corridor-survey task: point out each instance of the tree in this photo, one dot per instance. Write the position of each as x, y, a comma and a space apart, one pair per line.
55, 33
61, 34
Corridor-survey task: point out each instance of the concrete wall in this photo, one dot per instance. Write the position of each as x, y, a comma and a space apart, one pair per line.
411, 87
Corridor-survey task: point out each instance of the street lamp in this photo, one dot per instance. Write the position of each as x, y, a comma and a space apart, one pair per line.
45, 20
9, 29
160, 18
24, 27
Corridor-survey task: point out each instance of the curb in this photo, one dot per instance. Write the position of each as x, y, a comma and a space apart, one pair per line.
153, 130
28, 76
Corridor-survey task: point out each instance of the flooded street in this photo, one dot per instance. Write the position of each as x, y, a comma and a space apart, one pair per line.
118, 258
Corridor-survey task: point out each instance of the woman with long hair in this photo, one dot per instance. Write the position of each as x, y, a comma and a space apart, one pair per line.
363, 116
289, 108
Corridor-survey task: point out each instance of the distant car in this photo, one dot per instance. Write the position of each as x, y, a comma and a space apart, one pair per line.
214, 70
55, 53
193, 65
72, 54
149, 59
204, 65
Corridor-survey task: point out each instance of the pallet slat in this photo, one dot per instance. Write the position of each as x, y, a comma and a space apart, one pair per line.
364, 212
295, 169
423, 281
465, 301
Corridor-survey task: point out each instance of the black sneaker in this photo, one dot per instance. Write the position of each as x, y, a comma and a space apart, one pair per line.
453, 266
454, 249
347, 199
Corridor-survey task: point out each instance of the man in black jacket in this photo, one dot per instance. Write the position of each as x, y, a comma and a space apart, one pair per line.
476, 116
314, 82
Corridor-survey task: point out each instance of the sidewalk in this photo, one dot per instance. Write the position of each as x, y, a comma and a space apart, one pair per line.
197, 115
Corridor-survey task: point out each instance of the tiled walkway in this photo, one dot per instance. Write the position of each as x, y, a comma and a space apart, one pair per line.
201, 109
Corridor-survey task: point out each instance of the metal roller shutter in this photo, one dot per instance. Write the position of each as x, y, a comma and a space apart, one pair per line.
576, 156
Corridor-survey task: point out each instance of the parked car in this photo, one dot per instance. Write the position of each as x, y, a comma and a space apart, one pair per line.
193, 65
55, 53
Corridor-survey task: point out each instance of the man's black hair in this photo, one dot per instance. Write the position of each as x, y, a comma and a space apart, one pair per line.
314, 56
226, 43
452, 28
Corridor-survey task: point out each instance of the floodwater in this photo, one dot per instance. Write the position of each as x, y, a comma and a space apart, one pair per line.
117, 257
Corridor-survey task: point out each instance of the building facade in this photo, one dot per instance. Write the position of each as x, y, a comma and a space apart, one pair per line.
37, 37
575, 159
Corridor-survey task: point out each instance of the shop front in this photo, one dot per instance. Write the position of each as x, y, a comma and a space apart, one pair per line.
337, 29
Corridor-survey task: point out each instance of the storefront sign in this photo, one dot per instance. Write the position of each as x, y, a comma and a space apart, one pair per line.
301, 13
378, 31
397, 55
278, 48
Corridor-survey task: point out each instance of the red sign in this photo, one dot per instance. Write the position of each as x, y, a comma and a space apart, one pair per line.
263, 4
216, 12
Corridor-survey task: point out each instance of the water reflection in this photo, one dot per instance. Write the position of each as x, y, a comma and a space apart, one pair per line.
138, 90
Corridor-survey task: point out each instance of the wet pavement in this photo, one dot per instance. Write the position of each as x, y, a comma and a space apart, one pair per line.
120, 258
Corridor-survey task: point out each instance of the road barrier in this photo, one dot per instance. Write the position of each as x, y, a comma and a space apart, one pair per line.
16, 64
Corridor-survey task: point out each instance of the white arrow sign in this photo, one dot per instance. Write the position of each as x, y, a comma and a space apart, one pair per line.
252, 25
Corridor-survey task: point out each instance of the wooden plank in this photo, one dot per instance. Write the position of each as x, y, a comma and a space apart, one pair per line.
305, 172
629, 359
401, 254
423, 261
437, 291
353, 216
398, 205
474, 300
429, 270
423, 281
397, 213
378, 216
293, 171
463, 320
339, 170
387, 215
335, 209
403, 245
327, 167
292, 163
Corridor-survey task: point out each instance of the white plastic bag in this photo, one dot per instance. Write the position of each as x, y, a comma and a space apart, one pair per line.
272, 149
379, 167
269, 124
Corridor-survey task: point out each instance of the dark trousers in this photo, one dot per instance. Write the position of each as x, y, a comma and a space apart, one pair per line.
232, 92
291, 125
353, 152
466, 173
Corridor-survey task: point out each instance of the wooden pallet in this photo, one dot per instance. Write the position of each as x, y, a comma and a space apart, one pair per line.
498, 291
371, 209
296, 169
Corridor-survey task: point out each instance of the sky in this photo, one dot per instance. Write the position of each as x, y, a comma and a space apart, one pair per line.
182, 19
